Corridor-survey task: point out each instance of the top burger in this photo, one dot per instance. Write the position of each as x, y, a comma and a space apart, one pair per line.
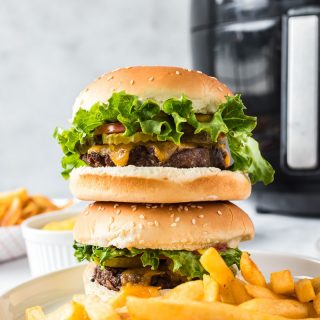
162, 135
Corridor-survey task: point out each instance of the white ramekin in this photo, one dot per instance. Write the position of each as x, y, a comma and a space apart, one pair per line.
48, 250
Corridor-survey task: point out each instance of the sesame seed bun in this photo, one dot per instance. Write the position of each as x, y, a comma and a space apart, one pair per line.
158, 83
158, 184
168, 227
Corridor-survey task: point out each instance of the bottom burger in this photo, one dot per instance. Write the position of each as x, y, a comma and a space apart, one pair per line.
155, 245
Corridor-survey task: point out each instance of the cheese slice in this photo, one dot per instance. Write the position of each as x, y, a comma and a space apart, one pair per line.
120, 153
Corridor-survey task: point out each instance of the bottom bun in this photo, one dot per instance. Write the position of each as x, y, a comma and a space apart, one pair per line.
94, 288
158, 184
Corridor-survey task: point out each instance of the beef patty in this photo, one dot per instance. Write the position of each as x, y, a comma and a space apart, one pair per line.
114, 278
143, 156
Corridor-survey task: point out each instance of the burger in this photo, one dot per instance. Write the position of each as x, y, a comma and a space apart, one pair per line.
155, 245
160, 135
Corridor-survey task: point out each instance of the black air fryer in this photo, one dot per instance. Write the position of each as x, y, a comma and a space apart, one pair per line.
269, 52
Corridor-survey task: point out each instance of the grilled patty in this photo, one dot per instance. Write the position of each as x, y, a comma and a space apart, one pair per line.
115, 278
144, 156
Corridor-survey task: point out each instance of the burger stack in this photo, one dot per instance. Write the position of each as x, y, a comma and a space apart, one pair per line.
160, 151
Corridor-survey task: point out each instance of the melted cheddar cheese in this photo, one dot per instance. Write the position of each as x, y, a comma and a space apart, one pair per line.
120, 153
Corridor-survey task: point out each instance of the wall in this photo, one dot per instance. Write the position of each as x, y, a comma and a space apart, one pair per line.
49, 50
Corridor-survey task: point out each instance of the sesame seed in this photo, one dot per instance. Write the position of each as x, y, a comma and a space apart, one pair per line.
173, 224
118, 211
219, 212
199, 71
154, 207
177, 219
178, 73
180, 206
116, 205
86, 213
179, 209
161, 205
150, 223
132, 82
172, 215
220, 89
214, 78
109, 78
141, 216
199, 207
134, 208
140, 226
186, 208
201, 216
170, 208
99, 208
151, 79
193, 221
156, 223
193, 206
189, 70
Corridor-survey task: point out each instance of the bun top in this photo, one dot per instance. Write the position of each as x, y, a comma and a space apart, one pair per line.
157, 83
169, 227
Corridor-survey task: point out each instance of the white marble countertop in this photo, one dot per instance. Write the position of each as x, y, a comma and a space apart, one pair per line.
275, 233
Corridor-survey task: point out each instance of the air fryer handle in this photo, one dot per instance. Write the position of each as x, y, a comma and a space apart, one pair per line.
300, 84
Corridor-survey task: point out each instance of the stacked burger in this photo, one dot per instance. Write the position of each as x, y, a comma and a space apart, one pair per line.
160, 150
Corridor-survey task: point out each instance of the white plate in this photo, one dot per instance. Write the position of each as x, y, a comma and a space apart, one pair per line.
56, 288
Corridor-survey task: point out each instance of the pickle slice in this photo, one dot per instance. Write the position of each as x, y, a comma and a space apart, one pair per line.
118, 138
123, 262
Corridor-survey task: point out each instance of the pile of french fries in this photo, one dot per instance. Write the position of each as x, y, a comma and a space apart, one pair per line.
220, 295
18, 205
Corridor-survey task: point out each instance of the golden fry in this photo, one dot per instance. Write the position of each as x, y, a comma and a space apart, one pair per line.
215, 265
261, 292
250, 271
191, 290
210, 289
286, 308
35, 313
44, 203
159, 309
316, 284
8, 197
316, 303
282, 282
304, 290
239, 291
13, 213
120, 299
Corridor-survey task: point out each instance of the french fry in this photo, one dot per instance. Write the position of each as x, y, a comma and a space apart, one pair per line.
215, 265
30, 209
316, 303
191, 290
3, 210
226, 295
282, 282
13, 213
239, 291
35, 313
7, 197
261, 292
159, 309
316, 284
287, 308
250, 271
140, 291
44, 203
304, 290
99, 310
69, 311
210, 289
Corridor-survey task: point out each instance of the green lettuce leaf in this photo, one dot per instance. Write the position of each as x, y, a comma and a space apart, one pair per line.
167, 124
184, 262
